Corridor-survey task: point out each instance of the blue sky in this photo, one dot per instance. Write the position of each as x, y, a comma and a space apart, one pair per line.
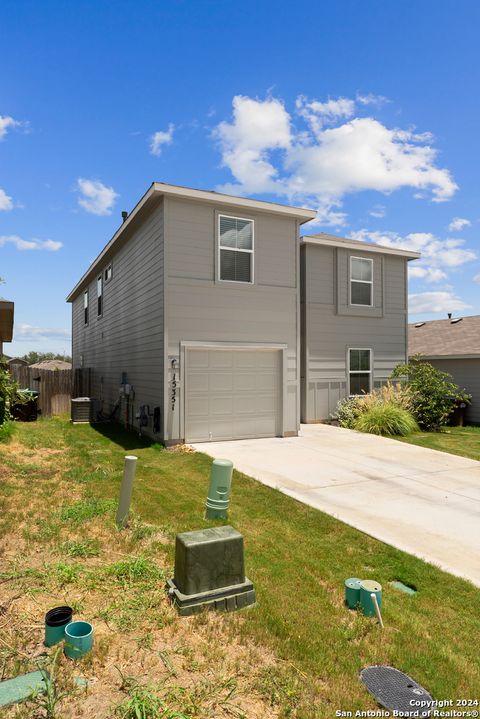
367, 111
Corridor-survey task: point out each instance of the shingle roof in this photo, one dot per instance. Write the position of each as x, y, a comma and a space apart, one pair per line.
445, 338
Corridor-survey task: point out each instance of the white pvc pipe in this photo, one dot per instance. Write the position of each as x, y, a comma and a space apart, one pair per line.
377, 609
126, 490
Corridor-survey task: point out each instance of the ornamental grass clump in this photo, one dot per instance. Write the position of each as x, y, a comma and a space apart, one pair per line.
392, 396
386, 418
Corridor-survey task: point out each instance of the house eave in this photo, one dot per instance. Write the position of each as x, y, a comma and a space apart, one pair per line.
360, 247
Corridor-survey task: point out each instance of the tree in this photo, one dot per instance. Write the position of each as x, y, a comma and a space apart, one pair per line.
434, 394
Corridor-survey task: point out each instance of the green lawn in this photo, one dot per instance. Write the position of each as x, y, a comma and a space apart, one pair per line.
296, 654
464, 441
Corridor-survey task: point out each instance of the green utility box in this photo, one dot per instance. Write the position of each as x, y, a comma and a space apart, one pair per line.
210, 572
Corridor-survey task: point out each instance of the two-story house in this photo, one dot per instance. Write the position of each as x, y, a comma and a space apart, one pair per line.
188, 323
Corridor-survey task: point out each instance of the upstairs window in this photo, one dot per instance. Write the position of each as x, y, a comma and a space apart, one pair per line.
85, 307
359, 371
235, 243
361, 281
108, 274
99, 296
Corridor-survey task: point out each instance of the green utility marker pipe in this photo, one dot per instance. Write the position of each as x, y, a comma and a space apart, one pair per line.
352, 592
219, 489
126, 490
367, 588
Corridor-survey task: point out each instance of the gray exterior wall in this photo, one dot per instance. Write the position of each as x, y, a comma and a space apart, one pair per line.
466, 373
128, 337
200, 309
330, 325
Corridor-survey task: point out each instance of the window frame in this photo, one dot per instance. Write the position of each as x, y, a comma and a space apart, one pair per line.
107, 268
235, 249
86, 307
365, 282
100, 297
360, 371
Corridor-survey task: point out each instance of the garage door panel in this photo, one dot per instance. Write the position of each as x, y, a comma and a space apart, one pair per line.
221, 382
232, 394
220, 360
221, 406
199, 382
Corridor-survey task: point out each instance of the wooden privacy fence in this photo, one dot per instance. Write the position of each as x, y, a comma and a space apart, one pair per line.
54, 385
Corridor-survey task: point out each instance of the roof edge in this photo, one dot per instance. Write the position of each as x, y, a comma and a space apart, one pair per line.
365, 247
470, 355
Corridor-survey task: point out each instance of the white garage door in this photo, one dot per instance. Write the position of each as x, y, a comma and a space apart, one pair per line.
232, 394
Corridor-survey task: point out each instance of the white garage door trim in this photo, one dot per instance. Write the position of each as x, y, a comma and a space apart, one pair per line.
281, 348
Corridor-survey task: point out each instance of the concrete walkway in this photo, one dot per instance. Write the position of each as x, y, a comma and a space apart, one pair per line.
419, 500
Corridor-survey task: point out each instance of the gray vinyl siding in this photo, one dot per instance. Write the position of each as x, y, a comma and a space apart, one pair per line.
199, 308
466, 373
128, 337
330, 326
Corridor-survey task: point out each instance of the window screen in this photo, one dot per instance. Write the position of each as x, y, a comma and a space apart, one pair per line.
361, 281
235, 238
360, 371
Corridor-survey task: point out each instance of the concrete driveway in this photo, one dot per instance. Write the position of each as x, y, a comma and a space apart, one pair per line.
419, 500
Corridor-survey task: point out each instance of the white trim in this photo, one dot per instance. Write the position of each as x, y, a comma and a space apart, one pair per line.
365, 282
235, 249
445, 357
359, 371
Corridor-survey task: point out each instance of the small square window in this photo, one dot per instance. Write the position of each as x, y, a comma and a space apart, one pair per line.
108, 274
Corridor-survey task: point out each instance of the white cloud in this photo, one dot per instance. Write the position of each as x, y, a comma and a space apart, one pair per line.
378, 211
477, 279
29, 333
371, 99
435, 302
7, 122
160, 138
318, 165
97, 198
458, 224
20, 244
6, 202
258, 127
436, 253
429, 274
317, 114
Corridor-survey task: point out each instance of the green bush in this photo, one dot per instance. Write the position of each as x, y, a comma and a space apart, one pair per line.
433, 393
386, 418
348, 411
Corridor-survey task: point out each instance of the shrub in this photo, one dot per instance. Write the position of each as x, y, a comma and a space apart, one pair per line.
351, 408
348, 411
386, 418
433, 393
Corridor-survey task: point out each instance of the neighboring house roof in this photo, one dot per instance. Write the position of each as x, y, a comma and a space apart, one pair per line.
17, 360
51, 364
323, 238
456, 337
160, 189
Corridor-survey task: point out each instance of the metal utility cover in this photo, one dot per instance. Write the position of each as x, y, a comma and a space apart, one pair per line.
232, 394
395, 690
